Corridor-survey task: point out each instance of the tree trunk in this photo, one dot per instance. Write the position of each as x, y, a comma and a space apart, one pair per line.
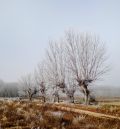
86, 94
44, 100
58, 99
73, 99
54, 99
30, 98
70, 100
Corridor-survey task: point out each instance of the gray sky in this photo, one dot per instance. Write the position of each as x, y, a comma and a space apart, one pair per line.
26, 26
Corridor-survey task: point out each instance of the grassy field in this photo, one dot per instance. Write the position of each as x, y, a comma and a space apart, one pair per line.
36, 115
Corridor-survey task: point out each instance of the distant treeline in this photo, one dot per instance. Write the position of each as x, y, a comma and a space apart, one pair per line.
13, 90
8, 89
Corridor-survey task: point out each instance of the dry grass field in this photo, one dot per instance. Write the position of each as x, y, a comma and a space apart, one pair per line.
36, 115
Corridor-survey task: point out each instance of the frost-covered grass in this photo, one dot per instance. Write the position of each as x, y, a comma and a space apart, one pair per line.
16, 114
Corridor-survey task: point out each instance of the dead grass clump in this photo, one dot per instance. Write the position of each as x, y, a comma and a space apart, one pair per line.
78, 119
20, 111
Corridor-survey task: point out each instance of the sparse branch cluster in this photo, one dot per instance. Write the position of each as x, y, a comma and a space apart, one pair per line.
75, 61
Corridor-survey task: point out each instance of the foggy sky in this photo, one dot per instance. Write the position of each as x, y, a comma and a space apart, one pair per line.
26, 26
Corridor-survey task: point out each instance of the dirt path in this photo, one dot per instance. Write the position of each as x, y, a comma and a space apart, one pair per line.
80, 111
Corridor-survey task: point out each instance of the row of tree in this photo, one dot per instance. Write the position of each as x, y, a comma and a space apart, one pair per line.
75, 61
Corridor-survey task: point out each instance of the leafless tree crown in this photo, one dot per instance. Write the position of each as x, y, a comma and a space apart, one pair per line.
56, 64
86, 56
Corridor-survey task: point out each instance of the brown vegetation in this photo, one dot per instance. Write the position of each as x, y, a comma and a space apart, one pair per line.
27, 115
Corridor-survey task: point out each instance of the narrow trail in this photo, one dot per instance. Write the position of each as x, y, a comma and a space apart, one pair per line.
81, 111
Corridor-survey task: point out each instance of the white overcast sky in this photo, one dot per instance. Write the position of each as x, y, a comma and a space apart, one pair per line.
26, 26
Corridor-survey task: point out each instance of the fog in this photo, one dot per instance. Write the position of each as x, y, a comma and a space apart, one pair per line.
26, 26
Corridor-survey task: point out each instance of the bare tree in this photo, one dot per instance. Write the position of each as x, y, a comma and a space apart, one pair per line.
56, 95
56, 67
41, 80
28, 84
70, 93
71, 86
86, 59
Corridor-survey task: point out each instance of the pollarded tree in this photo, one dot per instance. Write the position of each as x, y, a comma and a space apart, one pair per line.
71, 86
40, 80
86, 59
55, 64
28, 86
70, 93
